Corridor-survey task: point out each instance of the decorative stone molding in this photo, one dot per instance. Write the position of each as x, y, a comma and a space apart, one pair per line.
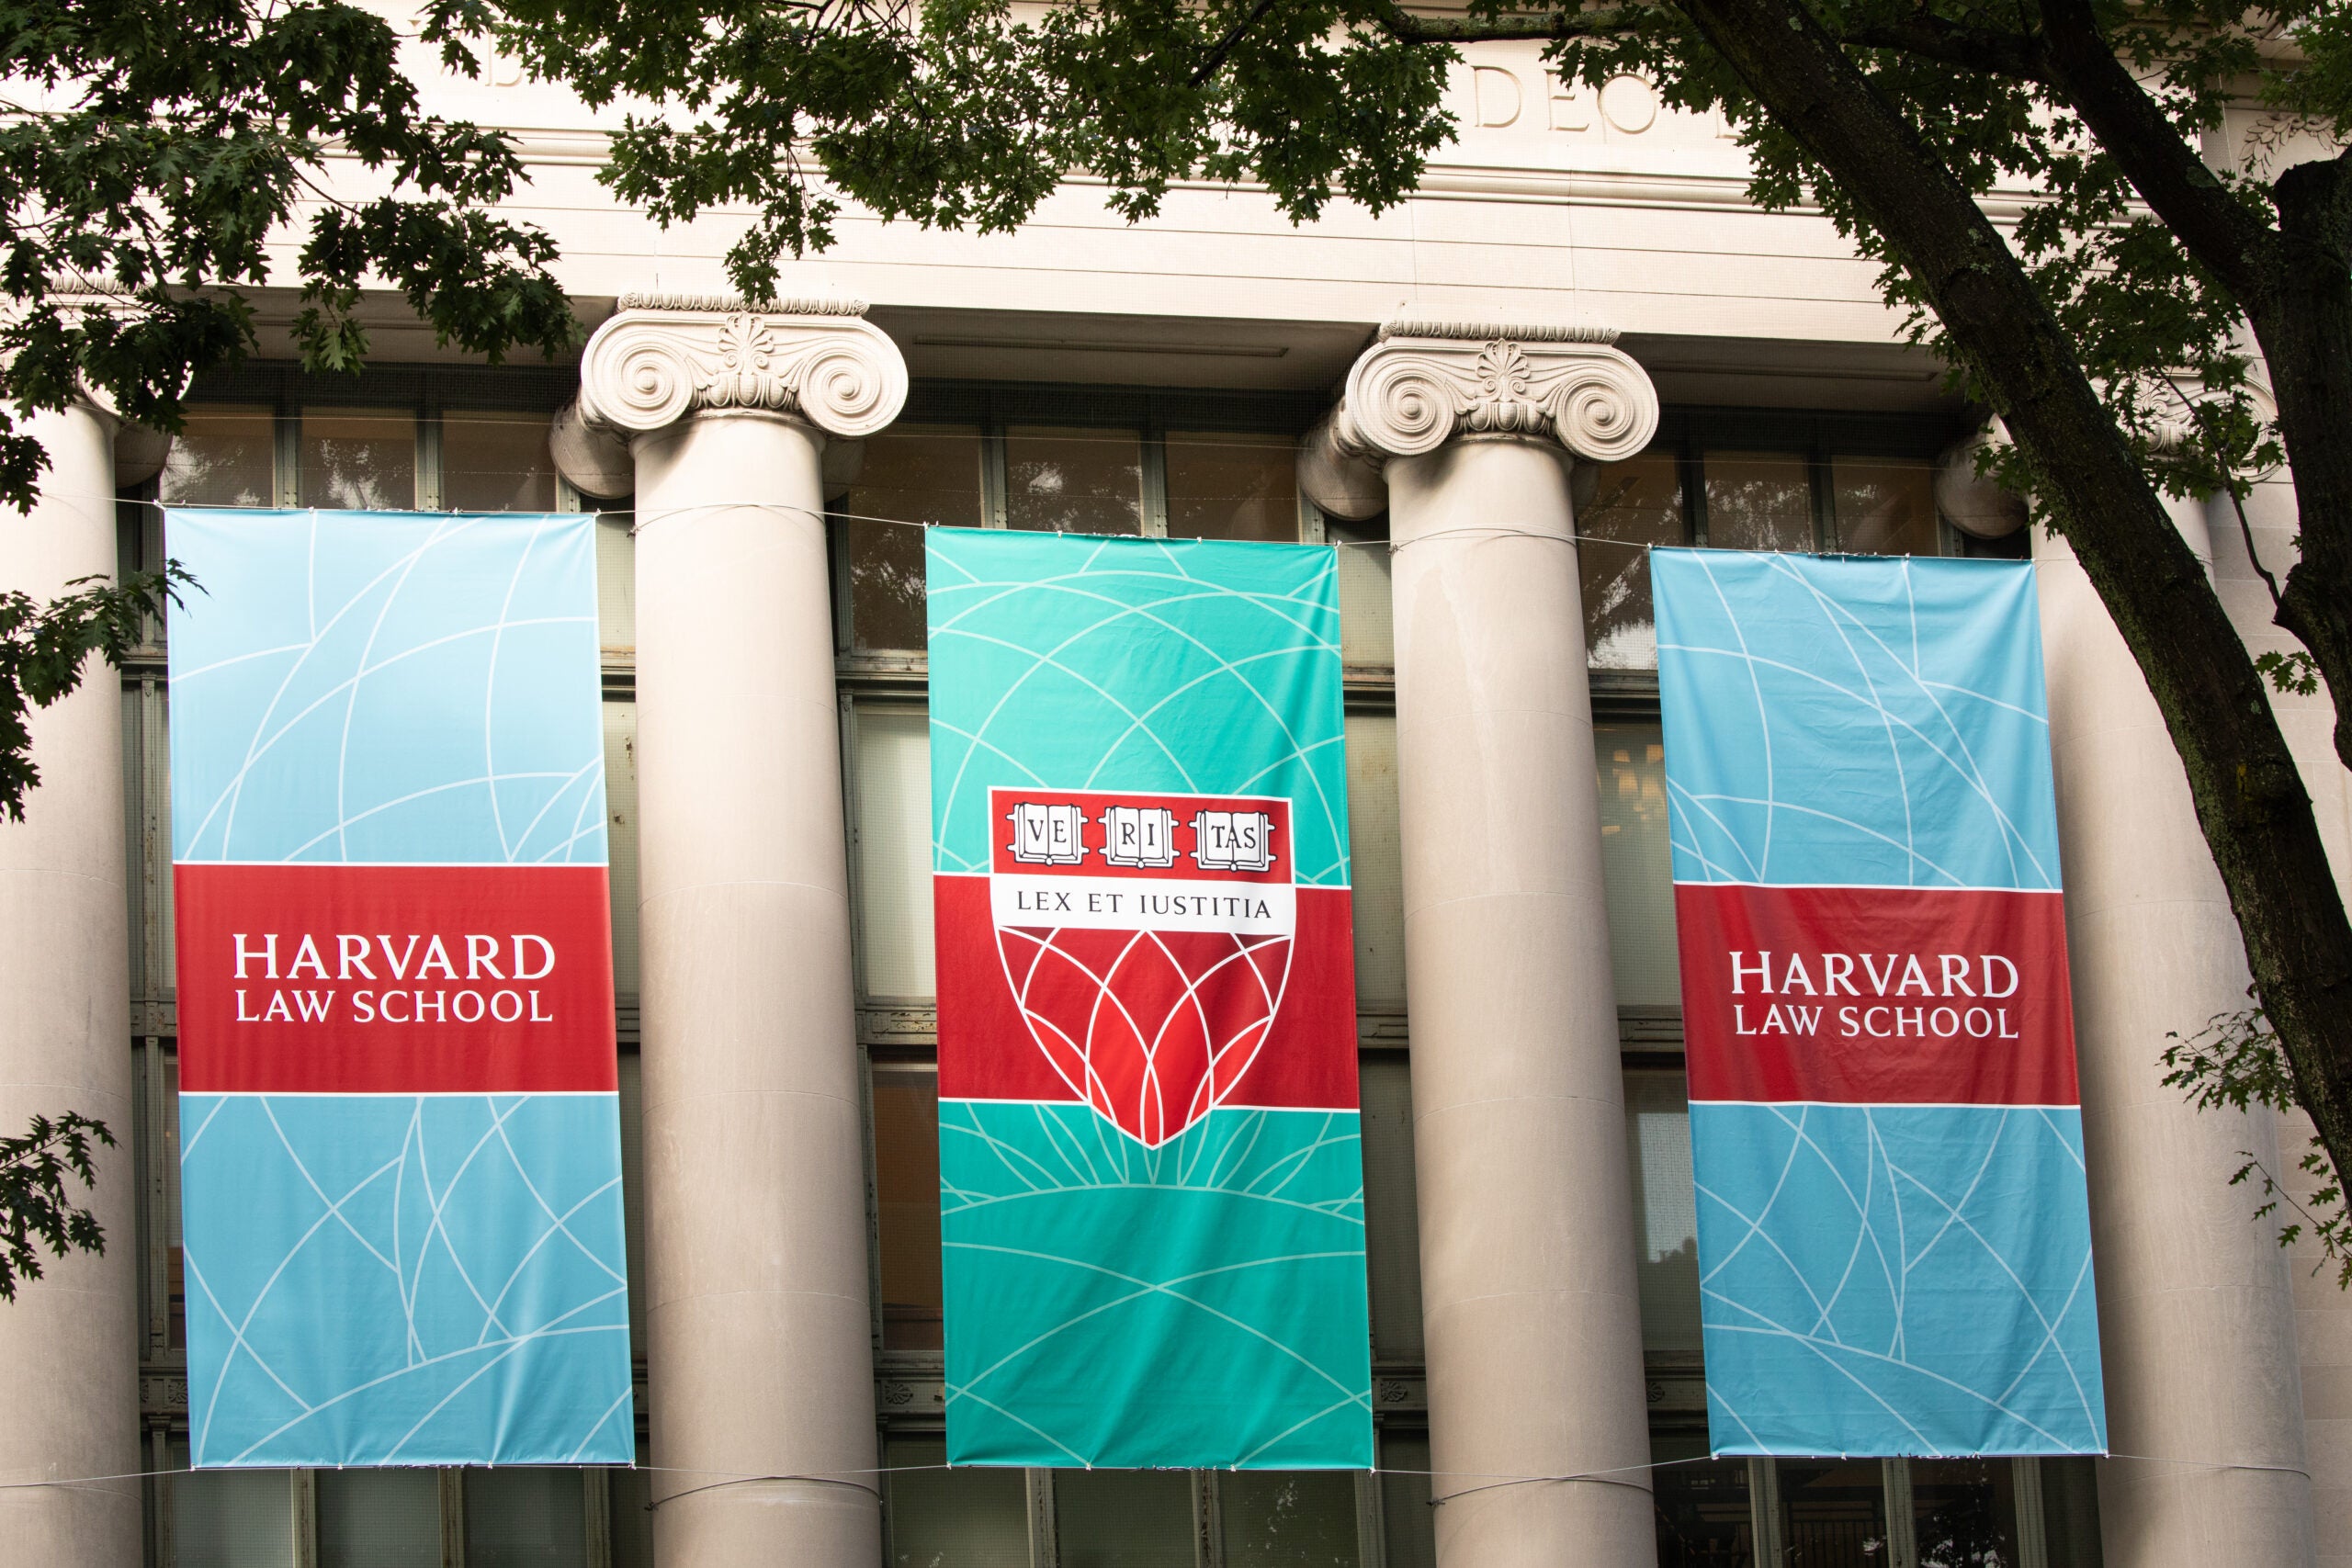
1428, 382
660, 359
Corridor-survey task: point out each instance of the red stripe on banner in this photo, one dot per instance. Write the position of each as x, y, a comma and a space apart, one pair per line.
1875, 995
988, 1049
359, 979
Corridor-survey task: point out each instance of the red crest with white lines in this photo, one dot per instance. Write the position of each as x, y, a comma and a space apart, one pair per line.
1147, 940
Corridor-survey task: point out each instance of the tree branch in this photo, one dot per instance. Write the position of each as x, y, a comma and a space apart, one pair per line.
2227, 239
1406, 27
2018, 56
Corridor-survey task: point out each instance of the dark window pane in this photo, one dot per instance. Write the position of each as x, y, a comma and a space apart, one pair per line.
1367, 617
1636, 865
525, 1517
2070, 1511
1408, 1525
1074, 481
380, 1518
1273, 1519
1759, 500
1636, 502
1964, 1512
1665, 1225
906, 1178
910, 474
1701, 1504
228, 1518
975, 1518
496, 462
358, 459
224, 457
1836, 1512
1232, 487
1123, 1518
1884, 506
631, 1499
1392, 1226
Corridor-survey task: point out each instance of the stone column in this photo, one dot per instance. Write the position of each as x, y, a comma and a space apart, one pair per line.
760, 1353
2196, 1317
69, 1344
1528, 1289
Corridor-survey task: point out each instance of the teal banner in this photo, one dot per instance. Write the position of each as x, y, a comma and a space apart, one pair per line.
1152, 1185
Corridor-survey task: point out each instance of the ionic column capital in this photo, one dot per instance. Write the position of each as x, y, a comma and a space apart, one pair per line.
662, 358
1427, 382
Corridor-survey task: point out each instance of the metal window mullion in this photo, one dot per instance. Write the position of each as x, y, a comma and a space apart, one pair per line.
154, 835
1311, 528
1154, 471
452, 1518
992, 472
285, 456
596, 1501
306, 1518
1825, 503
1902, 1531
1371, 1530
1208, 1536
159, 1461
156, 1194
1766, 1523
1693, 470
2033, 1527
430, 491
1045, 1550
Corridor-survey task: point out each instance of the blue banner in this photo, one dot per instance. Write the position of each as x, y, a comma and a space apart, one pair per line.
400, 1144
1894, 1245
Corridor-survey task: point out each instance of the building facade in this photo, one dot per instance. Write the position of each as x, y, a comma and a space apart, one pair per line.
1376, 385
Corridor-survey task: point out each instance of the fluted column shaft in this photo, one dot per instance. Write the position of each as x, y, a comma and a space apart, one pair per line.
758, 1316
2196, 1320
68, 1345
1528, 1286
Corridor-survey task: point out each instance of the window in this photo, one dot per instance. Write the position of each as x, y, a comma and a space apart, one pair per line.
380, 1518
906, 1196
226, 456
1636, 864
495, 461
1391, 1206
1883, 506
1376, 863
1705, 1517
362, 460
891, 845
1666, 1216
1073, 481
228, 1518
910, 474
1093, 460
1123, 1518
1288, 1518
971, 1518
525, 1516
1635, 504
1232, 487
1759, 500
1750, 480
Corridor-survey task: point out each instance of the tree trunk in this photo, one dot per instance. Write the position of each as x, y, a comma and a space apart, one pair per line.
2303, 324
2250, 800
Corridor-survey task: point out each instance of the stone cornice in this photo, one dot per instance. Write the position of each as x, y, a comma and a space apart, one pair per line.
662, 358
